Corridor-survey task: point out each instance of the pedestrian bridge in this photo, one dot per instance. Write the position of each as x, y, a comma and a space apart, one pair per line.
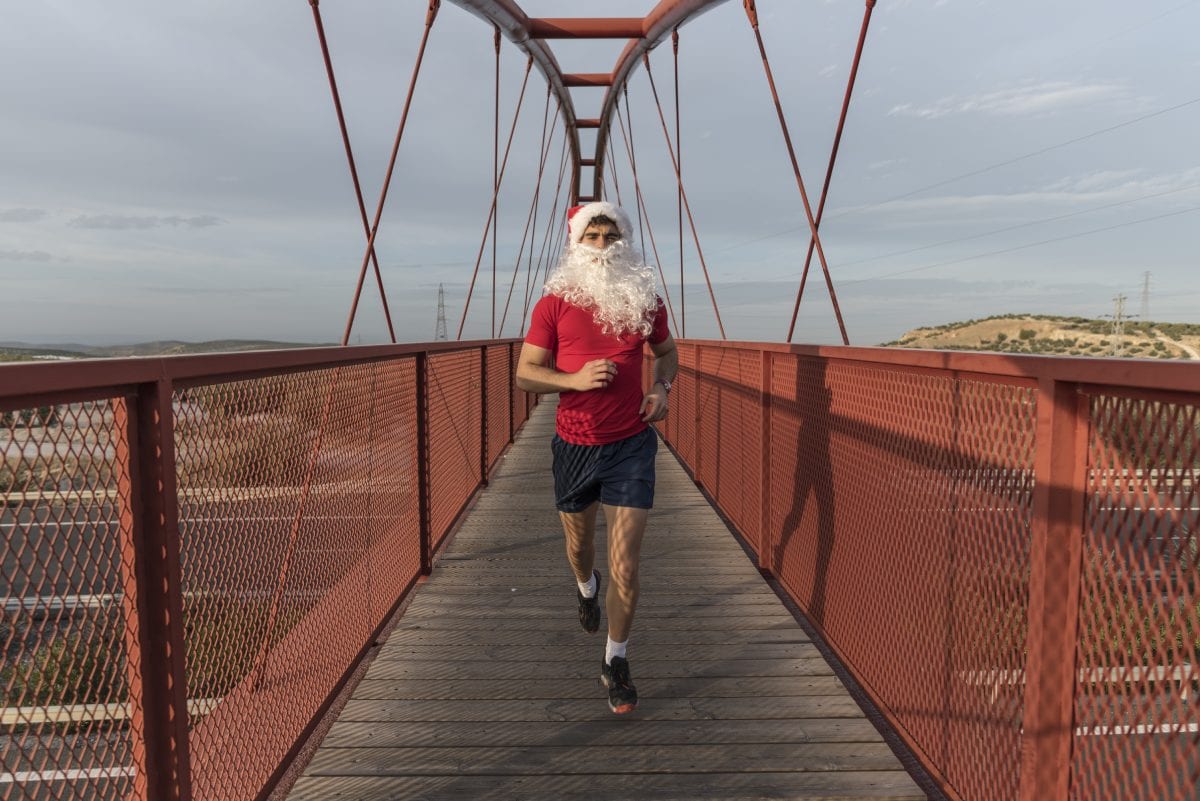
487, 687
333, 573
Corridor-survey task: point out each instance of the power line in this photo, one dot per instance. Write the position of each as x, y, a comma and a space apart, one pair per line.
1022, 157
1023, 247
981, 170
844, 265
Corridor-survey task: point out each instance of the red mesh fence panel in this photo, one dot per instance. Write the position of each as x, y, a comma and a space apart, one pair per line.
730, 416
299, 530
1137, 694
681, 420
453, 397
498, 401
918, 487
898, 517
69, 727
299, 525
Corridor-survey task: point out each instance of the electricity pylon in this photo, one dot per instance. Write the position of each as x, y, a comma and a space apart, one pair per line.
439, 333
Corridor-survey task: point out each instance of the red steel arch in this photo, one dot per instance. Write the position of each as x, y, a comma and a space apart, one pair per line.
643, 35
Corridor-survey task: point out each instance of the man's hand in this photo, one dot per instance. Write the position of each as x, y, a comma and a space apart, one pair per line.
654, 405
596, 374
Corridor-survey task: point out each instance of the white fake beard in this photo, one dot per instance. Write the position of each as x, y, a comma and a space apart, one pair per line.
613, 282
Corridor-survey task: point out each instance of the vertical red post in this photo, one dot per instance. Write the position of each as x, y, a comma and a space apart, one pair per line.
1060, 473
423, 444
697, 356
125, 447
766, 540
512, 392
483, 415
150, 544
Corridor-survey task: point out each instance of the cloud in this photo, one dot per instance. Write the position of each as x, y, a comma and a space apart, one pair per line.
1104, 187
1042, 98
21, 215
178, 291
123, 222
827, 71
24, 255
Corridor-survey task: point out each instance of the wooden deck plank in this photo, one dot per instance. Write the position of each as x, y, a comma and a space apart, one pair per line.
590, 669
894, 785
488, 689
724, 687
573, 709
615, 731
533, 636
545, 760
574, 653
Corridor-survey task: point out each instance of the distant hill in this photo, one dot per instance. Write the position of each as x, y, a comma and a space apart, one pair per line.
25, 351
1058, 336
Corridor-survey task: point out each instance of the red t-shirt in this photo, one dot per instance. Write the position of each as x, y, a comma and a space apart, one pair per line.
598, 416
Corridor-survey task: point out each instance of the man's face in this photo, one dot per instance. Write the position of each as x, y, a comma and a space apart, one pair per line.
600, 235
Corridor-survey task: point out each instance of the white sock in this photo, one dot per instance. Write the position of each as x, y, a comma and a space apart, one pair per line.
614, 649
588, 588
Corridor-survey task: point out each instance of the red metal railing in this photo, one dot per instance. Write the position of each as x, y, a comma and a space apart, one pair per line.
1002, 550
197, 551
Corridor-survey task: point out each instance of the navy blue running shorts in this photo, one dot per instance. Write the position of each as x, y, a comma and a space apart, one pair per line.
618, 473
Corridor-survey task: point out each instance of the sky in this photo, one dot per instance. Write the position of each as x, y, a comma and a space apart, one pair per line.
175, 171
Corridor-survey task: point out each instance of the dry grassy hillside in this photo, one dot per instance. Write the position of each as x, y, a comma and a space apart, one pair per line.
1061, 336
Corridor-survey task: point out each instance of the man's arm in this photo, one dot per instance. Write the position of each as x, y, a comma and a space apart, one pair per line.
666, 365
666, 359
534, 376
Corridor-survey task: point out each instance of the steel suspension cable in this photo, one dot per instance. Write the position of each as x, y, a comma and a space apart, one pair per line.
559, 234
616, 184
430, 16
683, 194
752, 15
633, 167
531, 274
557, 111
358, 194
837, 139
530, 220
260, 659
495, 196
547, 238
679, 153
643, 214
556, 233
496, 170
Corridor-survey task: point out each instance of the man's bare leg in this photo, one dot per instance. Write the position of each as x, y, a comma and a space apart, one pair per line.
579, 529
626, 526
625, 529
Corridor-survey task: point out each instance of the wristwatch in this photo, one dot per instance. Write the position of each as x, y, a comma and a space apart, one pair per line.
665, 384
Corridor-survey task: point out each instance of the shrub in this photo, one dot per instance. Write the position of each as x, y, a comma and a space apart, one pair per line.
1000, 337
85, 667
1028, 333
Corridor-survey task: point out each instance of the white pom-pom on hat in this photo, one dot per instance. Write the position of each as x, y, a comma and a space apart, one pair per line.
579, 217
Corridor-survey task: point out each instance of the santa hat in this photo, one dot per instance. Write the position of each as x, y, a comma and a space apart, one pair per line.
579, 217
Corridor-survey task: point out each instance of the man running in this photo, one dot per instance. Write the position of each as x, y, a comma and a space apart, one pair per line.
599, 308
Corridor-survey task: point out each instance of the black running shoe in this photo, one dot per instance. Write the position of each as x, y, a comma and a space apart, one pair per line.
589, 608
622, 695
